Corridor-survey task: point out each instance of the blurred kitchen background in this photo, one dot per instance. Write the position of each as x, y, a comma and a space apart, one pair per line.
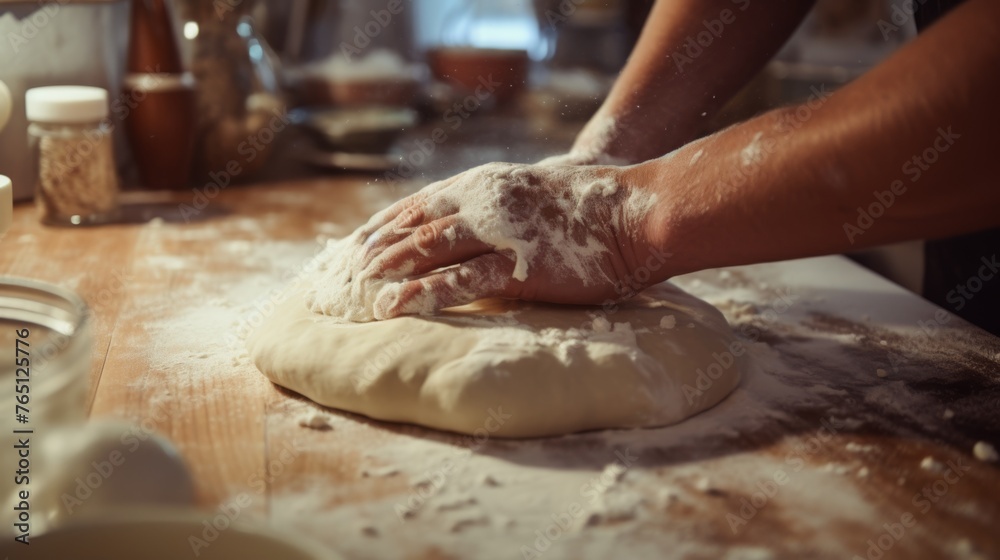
229, 92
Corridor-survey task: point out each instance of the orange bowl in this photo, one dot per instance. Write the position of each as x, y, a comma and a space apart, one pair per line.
505, 71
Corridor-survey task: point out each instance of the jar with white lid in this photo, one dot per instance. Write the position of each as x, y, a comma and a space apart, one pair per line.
71, 140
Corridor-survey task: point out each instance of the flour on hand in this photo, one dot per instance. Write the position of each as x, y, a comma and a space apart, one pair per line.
569, 229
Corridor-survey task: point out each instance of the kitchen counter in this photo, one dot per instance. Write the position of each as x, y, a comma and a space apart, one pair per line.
852, 434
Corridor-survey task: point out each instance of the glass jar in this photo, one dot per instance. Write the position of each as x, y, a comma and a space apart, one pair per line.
71, 142
45, 345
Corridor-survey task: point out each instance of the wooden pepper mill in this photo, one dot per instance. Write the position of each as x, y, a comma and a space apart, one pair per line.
158, 100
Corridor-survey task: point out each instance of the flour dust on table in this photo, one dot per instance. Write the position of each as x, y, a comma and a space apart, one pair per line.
507, 368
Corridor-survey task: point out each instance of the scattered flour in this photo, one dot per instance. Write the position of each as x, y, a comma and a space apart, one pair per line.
931, 464
858, 448
751, 153
569, 487
985, 452
315, 421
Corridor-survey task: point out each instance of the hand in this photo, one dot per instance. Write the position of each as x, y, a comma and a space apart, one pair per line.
545, 233
582, 157
592, 146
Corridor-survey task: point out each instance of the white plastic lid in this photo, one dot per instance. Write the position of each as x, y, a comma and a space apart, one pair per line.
66, 104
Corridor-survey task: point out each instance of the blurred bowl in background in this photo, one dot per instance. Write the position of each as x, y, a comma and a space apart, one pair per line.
322, 90
381, 78
505, 71
371, 130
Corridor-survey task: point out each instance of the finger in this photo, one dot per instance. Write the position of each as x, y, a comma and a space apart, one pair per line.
387, 215
394, 231
437, 244
482, 277
419, 212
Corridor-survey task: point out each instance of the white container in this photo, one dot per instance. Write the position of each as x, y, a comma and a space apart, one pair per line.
50, 43
71, 139
6, 204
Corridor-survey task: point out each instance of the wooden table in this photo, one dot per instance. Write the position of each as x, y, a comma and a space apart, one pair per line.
815, 455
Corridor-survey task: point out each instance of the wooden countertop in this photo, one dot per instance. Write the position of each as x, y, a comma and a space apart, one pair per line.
169, 300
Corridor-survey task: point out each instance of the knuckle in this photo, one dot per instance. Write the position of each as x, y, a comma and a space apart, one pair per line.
427, 235
410, 217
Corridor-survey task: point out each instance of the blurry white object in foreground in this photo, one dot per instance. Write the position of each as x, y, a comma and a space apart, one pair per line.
6, 204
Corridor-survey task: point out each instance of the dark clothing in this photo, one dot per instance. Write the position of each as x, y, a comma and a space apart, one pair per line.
961, 275
960, 272
927, 12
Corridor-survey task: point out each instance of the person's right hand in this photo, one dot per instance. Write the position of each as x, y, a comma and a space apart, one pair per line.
579, 157
555, 234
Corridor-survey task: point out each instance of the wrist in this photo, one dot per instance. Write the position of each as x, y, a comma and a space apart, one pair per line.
665, 230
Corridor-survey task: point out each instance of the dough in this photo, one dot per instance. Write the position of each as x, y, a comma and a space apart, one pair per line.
510, 369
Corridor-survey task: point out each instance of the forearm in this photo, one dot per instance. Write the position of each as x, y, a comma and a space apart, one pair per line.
693, 55
918, 130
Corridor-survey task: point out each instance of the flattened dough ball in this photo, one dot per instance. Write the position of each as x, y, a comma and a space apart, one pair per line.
513, 369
